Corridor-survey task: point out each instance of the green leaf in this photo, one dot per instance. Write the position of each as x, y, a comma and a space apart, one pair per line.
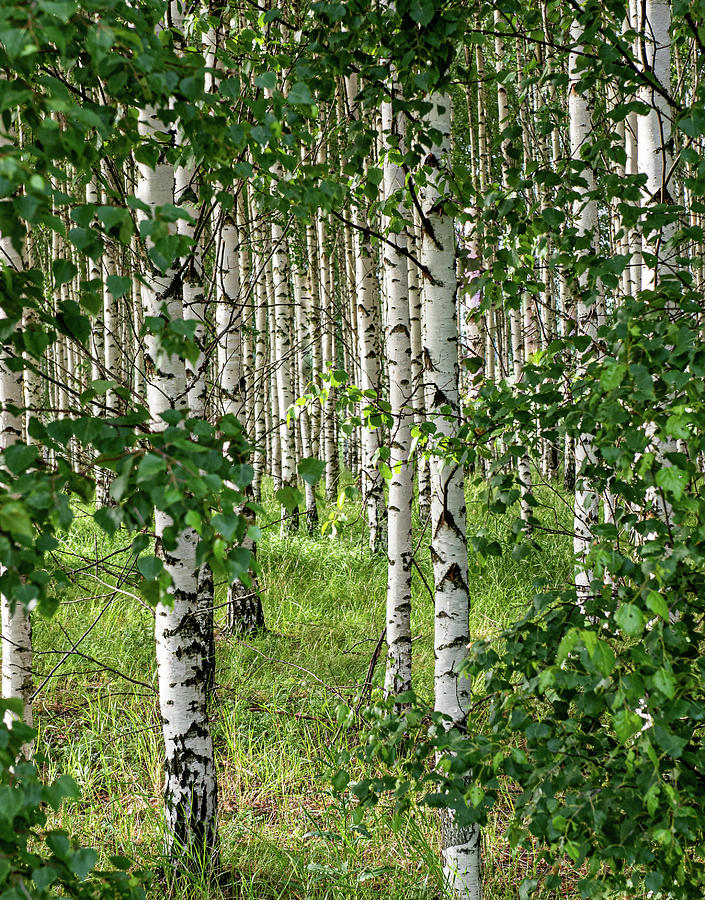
422, 11
527, 888
300, 94
311, 469
150, 466
289, 497
118, 285
19, 457
554, 218
384, 470
267, 80
44, 877
612, 375
82, 861
657, 605
227, 524
230, 88
340, 780
10, 802
673, 480
665, 682
64, 271
63, 788
151, 567
567, 645
109, 518
59, 844
626, 724
71, 321
669, 742
630, 619
15, 520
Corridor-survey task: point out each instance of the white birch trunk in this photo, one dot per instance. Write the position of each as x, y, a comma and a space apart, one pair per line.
16, 623
522, 463
305, 340
655, 161
585, 215
244, 607
401, 490
260, 363
655, 155
327, 305
284, 371
183, 648
368, 329
460, 846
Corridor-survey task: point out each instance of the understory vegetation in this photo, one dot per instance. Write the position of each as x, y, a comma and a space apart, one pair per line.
352, 449
274, 711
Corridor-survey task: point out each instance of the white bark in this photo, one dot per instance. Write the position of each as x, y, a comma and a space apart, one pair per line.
460, 846
368, 329
305, 340
183, 643
284, 372
185, 196
316, 336
522, 463
398, 349
244, 608
259, 387
327, 306
16, 623
655, 161
654, 132
418, 398
585, 214
228, 317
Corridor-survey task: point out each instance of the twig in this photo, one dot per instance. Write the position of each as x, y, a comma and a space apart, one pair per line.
367, 685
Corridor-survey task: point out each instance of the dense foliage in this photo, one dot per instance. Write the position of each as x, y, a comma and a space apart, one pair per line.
595, 698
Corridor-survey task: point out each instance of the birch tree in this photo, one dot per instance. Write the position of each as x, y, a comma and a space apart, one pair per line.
184, 653
460, 845
16, 622
398, 351
585, 214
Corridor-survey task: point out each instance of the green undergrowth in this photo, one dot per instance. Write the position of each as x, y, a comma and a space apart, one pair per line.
283, 835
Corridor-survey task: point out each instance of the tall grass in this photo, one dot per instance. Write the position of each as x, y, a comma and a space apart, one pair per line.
273, 713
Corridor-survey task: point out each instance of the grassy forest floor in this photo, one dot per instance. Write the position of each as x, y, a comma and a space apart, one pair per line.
283, 835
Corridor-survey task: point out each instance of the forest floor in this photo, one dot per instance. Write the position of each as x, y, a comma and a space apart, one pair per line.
283, 833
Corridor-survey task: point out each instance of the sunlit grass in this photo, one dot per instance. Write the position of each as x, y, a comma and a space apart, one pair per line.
273, 712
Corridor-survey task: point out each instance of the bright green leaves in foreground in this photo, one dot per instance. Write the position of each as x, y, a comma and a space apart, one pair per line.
193, 472
38, 863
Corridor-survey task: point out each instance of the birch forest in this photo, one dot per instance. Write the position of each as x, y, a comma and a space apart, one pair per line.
352, 449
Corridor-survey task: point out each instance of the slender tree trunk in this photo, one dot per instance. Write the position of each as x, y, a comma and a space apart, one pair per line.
401, 490
284, 372
184, 654
460, 845
16, 623
327, 305
368, 329
305, 340
655, 161
260, 369
244, 605
585, 213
